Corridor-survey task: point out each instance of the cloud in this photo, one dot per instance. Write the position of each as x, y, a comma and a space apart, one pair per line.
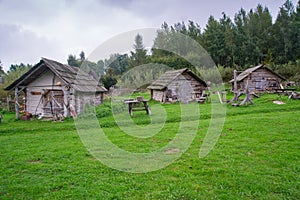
67, 26
19, 45
34, 28
55, 31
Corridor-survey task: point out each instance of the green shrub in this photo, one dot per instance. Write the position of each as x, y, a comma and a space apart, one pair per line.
105, 109
290, 71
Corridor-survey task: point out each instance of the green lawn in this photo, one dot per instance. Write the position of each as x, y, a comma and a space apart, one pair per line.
256, 157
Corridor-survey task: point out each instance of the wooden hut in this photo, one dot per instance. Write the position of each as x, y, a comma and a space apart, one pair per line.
51, 88
177, 85
259, 79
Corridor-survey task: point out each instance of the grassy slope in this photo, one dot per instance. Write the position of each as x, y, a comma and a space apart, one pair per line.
257, 156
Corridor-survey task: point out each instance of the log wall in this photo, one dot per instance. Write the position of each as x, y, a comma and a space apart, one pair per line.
158, 95
181, 89
36, 89
260, 80
48, 81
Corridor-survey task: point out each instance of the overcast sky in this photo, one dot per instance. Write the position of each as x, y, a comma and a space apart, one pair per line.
31, 29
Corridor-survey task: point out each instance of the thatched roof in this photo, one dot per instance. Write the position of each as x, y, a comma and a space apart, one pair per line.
71, 76
164, 80
249, 71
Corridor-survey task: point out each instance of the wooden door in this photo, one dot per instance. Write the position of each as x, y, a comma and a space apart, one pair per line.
53, 102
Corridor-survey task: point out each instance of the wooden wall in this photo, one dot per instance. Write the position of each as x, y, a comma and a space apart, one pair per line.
260, 80
81, 99
36, 89
158, 95
182, 89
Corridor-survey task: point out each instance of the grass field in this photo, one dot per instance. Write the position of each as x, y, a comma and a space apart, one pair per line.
256, 157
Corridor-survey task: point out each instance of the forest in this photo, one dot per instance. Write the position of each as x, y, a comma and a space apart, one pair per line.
250, 38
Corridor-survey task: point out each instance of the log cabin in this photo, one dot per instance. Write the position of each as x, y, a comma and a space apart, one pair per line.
51, 88
177, 85
260, 79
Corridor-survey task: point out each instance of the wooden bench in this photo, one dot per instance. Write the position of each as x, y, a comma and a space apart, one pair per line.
137, 105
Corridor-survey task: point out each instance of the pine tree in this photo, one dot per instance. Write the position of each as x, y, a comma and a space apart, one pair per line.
214, 39
82, 56
139, 55
240, 38
1, 68
284, 34
296, 27
228, 44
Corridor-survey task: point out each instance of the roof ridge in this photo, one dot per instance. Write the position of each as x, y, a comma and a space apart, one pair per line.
66, 73
250, 70
165, 79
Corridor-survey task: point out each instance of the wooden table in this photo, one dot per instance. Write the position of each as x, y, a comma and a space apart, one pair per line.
135, 105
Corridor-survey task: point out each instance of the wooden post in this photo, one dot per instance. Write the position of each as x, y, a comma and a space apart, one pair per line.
247, 92
16, 102
8, 98
235, 82
148, 111
220, 98
68, 97
236, 95
130, 108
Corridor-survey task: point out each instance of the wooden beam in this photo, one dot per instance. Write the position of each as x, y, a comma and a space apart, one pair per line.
235, 97
68, 103
8, 99
235, 81
16, 102
220, 98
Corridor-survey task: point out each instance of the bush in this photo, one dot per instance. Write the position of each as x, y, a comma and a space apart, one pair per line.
213, 74
105, 109
226, 73
290, 71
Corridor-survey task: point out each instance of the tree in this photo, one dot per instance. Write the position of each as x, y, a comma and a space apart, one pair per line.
118, 63
214, 39
258, 30
296, 27
161, 42
227, 57
139, 55
72, 61
171, 45
264, 32
82, 56
284, 34
240, 38
100, 68
1, 68
15, 71
194, 31
109, 79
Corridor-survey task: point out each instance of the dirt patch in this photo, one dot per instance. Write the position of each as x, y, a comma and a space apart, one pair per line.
173, 150
278, 102
35, 161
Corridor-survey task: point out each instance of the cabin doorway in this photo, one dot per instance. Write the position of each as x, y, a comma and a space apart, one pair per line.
53, 103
